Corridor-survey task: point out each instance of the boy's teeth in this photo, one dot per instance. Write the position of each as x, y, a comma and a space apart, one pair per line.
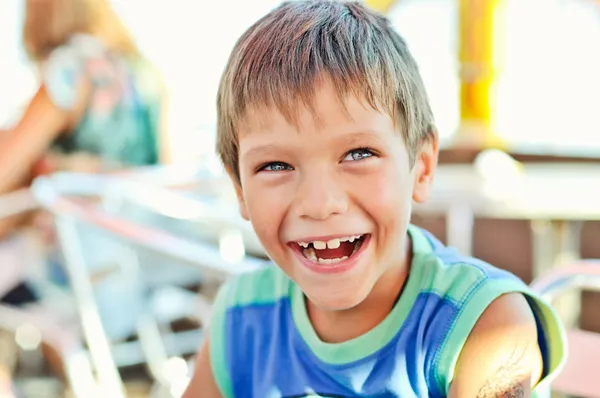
319, 245
331, 260
310, 254
309, 250
333, 244
356, 246
350, 238
330, 244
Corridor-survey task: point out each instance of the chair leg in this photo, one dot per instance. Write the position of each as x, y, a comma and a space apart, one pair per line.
8, 352
8, 361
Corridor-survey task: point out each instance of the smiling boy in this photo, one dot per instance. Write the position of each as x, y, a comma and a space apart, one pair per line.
327, 134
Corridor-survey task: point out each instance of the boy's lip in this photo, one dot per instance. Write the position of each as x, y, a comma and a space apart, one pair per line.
334, 268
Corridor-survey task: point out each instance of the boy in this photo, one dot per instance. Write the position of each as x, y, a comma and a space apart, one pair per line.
327, 134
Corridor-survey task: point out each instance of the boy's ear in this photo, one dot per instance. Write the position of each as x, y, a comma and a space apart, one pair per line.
239, 193
426, 160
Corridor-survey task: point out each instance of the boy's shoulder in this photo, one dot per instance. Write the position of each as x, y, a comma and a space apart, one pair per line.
443, 271
264, 286
466, 287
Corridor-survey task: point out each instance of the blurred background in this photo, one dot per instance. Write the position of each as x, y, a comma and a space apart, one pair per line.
543, 53
515, 90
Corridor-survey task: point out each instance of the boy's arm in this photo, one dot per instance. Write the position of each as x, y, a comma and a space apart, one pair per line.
501, 357
203, 383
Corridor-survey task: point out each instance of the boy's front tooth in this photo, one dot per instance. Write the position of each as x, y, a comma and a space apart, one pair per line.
319, 245
333, 243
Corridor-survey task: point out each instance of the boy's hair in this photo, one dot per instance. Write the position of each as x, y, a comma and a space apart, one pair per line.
281, 58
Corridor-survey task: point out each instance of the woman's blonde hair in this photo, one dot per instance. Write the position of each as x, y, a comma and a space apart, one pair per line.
50, 23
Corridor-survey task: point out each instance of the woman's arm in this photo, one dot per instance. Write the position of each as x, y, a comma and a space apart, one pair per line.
26, 143
56, 108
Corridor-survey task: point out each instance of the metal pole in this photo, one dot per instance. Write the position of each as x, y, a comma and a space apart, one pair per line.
382, 6
476, 55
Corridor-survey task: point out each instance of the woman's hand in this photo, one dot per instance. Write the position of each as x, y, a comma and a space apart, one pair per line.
77, 162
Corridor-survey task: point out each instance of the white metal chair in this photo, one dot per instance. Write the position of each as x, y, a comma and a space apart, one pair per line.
57, 194
579, 377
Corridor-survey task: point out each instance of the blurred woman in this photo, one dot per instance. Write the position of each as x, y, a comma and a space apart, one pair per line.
98, 95
100, 106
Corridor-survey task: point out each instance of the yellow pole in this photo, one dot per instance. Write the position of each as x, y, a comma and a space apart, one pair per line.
382, 6
477, 25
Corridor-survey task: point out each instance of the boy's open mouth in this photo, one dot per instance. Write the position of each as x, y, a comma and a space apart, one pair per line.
331, 251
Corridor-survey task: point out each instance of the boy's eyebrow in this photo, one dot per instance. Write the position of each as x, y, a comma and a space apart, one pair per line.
354, 138
359, 136
262, 150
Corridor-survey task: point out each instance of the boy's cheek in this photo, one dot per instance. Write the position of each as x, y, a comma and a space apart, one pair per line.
393, 192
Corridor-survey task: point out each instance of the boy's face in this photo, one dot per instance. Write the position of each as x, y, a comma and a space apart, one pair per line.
330, 199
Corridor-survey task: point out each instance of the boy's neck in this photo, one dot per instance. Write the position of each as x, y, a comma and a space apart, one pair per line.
340, 326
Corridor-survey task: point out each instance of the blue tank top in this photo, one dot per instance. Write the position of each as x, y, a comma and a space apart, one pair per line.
263, 344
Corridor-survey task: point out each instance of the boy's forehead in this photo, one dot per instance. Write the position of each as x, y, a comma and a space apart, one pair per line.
324, 111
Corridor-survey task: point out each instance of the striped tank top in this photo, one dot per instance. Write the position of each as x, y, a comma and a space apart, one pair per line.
263, 344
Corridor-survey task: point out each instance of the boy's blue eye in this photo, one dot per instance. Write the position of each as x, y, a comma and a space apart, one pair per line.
275, 167
358, 154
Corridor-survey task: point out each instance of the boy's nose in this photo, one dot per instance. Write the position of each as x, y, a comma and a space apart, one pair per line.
320, 196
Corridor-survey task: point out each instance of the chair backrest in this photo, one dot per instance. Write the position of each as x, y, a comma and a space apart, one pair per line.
579, 376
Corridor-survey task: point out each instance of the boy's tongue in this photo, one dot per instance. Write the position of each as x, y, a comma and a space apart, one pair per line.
345, 250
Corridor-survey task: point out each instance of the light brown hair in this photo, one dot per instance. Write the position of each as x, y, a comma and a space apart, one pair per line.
51, 23
280, 59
